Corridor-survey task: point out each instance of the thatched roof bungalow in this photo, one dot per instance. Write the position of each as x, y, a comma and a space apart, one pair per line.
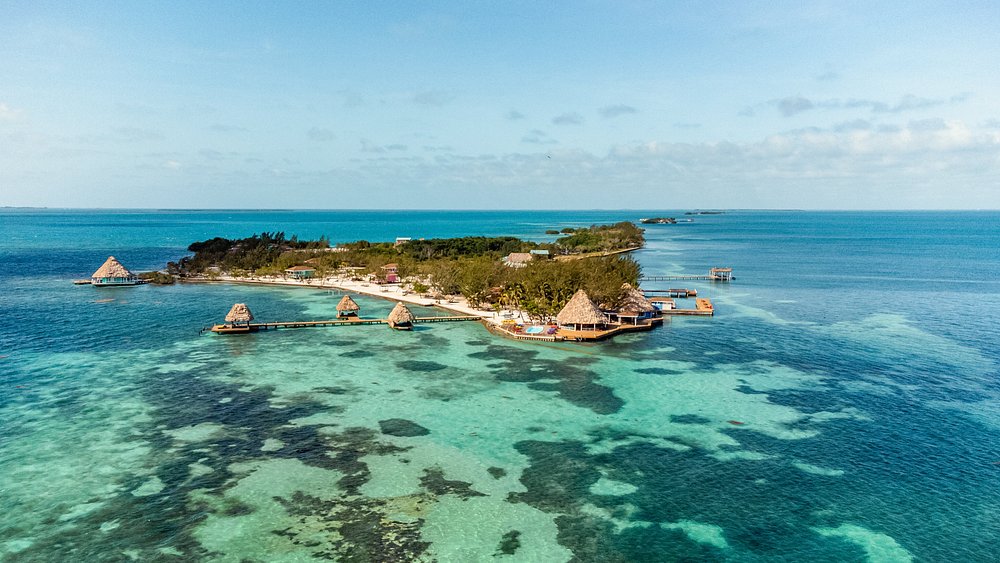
239, 315
401, 318
633, 306
581, 314
113, 273
347, 307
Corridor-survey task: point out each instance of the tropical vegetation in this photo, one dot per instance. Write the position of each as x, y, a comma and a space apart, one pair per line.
467, 266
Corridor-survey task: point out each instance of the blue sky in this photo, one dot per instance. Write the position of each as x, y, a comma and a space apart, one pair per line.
813, 105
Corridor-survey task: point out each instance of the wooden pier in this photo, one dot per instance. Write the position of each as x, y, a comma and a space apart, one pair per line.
565, 334
255, 327
703, 307
715, 274
676, 292
448, 319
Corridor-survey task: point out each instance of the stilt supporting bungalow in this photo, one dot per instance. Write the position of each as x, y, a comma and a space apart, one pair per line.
347, 308
400, 318
113, 273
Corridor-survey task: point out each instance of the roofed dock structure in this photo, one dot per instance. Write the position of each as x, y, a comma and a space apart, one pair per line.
400, 318
347, 307
113, 273
237, 321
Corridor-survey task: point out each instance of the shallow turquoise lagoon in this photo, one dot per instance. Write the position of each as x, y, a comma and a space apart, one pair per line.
841, 406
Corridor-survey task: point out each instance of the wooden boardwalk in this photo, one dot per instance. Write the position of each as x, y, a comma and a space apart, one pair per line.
448, 319
565, 334
254, 327
707, 277
703, 308
715, 274
676, 292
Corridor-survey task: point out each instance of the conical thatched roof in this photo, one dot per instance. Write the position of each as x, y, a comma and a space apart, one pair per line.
112, 268
347, 304
400, 314
240, 313
633, 302
580, 311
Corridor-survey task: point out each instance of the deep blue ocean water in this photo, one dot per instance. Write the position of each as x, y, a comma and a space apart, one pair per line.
842, 405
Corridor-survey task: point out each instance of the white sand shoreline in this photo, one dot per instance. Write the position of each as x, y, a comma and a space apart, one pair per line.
391, 292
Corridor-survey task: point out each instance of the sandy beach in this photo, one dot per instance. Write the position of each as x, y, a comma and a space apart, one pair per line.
392, 292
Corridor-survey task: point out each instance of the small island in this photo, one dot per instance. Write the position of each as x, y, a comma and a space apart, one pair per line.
580, 286
500, 272
659, 221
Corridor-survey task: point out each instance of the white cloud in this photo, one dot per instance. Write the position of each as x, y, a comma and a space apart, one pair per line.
794, 105
571, 118
538, 137
227, 128
320, 134
369, 147
933, 163
434, 98
617, 110
8, 113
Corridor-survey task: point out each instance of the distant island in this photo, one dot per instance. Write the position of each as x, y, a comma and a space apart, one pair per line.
659, 221
499, 272
705, 213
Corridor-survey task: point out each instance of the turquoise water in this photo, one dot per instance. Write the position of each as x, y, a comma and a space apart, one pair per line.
856, 351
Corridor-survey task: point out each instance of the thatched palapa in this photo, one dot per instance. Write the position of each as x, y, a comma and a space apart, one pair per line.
239, 314
580, 311
113, 273
400, 317
347, 307
633, 303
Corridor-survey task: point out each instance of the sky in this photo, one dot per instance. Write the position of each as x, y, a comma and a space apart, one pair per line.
500, 105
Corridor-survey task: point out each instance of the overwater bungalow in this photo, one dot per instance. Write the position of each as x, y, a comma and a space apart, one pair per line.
300, 272
237, 321
580, 314
112, 273
721, 274
347, 308
633, 307
401, 318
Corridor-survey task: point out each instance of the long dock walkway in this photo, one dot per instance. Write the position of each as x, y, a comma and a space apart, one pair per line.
715, 274
253, 327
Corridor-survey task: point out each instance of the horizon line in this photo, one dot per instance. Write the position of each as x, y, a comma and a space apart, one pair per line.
428, 209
